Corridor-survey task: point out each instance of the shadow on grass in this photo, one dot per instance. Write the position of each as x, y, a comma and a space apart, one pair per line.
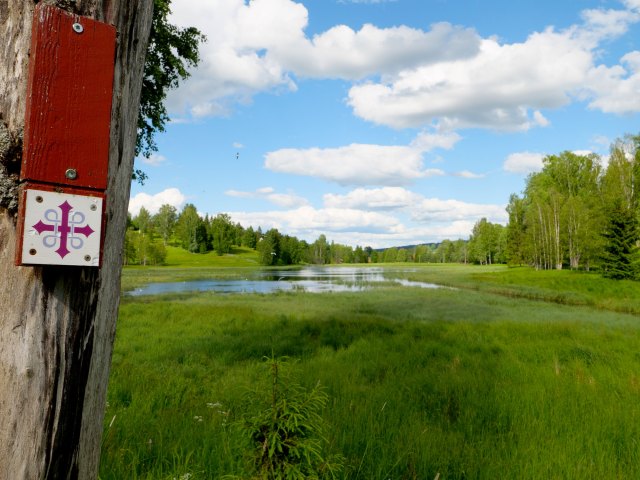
282, 338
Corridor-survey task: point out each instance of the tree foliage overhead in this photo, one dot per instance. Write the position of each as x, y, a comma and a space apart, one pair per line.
171, 52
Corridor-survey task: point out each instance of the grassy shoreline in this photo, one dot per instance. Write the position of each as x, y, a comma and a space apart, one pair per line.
563, 287
479, 382
184, 266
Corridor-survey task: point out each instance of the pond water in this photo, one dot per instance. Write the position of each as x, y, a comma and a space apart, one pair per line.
309, 279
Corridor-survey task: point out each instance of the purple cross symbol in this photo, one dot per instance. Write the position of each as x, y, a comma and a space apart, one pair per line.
63, 228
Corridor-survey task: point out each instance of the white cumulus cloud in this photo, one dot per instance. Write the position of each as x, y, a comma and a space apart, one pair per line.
307, 222
427, 141
233, 65
260, 45
379, 217
353, 227
386, 198
468, 174
364, 164
285, 200
601, 24
503, 87
617, 89
523, 162
419, 207
437, 210
355, 164
583, 153
154, 160
152, 203
446, 75
342, 52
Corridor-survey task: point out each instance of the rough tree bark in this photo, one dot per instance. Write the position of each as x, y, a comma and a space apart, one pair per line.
57, 324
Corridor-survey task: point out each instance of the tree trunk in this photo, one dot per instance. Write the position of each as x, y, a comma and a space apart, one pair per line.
57, 324
556, 232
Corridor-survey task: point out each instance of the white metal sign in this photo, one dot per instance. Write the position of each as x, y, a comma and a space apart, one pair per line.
61, 229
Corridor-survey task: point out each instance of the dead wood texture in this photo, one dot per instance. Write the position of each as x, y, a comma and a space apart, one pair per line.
57, 324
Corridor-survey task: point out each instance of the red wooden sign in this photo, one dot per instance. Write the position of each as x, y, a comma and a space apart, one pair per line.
68, 107
65, 153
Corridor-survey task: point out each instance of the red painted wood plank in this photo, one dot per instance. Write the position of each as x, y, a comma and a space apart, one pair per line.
68, 105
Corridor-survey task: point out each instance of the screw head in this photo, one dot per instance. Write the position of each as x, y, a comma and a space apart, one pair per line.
32, 251
71, 173
39, 199
87, 258
78, 28
93, 207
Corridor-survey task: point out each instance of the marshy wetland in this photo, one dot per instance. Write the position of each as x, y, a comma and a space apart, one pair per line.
306, 279
512, 374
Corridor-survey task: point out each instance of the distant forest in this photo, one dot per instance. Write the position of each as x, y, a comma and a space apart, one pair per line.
575, 213
147, 236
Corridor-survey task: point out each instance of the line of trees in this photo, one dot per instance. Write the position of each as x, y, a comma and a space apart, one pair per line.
485, 246
574, 213
148, 235
577, 214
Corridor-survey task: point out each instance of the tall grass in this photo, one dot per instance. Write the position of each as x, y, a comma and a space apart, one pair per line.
465, 384
558, 286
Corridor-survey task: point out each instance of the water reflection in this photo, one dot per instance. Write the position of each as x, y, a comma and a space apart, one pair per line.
409, 283
308, 279
326, 274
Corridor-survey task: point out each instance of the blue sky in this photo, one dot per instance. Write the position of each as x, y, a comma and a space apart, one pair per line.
392, 122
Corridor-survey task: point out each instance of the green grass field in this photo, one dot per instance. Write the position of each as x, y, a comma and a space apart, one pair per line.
563, 287
182, 266
516, 374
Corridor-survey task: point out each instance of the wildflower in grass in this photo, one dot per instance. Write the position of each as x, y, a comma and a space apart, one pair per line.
186, 476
